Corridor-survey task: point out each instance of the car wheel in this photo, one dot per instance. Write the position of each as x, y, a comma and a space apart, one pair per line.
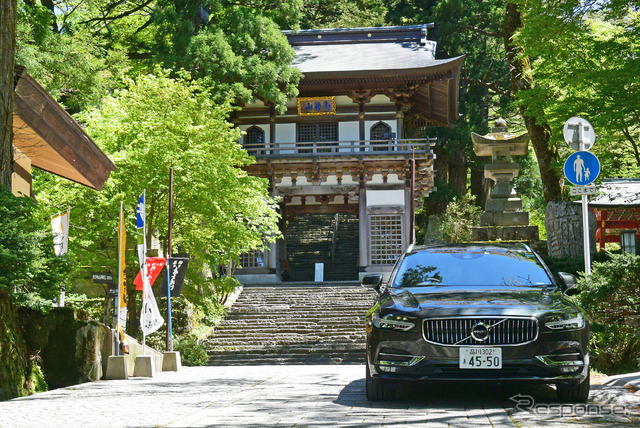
578, 392
378, 390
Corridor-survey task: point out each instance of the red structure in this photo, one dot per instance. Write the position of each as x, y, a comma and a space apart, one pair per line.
617, 209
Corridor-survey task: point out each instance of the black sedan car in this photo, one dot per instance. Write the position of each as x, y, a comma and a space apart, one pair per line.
469, 312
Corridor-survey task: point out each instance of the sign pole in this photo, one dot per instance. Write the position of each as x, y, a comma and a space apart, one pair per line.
581, 169
116, 307
169, 344
412, 214
585, 233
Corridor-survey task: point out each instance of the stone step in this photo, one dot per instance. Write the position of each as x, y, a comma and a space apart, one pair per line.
299, 323
290, 338
292, 360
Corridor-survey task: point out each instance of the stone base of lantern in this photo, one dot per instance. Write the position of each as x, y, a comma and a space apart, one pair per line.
505, 233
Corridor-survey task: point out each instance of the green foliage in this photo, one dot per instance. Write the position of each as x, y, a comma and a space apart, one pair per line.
460, 217
343, 13
91, 308
36, 382
611, 296
74, 67
192, 351
246, 56
585, 64
29, 269
225, 286
155, 122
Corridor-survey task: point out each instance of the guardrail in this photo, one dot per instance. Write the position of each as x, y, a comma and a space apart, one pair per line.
341, 148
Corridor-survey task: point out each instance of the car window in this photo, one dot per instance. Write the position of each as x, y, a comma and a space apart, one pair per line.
470, 267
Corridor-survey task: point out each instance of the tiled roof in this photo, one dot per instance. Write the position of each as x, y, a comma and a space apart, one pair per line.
617, 193
379, 49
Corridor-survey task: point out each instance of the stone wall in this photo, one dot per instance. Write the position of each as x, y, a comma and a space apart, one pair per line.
71, 350
15, 365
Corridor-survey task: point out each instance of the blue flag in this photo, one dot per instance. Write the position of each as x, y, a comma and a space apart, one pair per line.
141, 212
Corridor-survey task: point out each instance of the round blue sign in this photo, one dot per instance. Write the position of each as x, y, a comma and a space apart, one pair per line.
582, 168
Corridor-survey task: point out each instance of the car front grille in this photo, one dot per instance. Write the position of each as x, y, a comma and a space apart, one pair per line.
487, 331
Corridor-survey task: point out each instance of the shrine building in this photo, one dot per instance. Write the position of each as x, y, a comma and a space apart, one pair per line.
344, 155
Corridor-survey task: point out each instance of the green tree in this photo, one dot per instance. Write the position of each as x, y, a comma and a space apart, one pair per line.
473, 29
153, 123
237, 46
75, 67
585, 64
29, 269
343, 13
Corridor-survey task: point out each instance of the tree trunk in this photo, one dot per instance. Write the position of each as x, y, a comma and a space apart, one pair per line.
7, 62
521, 80
480, 186
458, 172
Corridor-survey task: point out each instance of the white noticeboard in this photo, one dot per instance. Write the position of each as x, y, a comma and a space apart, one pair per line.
319, 272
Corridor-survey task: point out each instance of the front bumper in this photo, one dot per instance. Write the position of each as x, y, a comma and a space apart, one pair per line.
558, 357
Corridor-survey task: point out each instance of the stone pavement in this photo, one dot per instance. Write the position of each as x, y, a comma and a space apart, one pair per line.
298, 395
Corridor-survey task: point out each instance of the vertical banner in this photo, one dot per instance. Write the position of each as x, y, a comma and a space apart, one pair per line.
122, 285
177, 271
60, 228
150, 318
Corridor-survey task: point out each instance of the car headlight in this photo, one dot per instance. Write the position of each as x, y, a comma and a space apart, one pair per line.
392, 322
565, 322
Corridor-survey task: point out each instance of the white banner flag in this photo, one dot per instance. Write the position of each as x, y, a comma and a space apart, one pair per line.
60, 228
150, 317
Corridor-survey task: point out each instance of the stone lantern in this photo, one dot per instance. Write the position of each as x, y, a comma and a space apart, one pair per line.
503, 218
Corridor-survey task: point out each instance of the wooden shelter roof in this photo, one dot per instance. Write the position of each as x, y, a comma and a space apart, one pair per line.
617, 193
52, 139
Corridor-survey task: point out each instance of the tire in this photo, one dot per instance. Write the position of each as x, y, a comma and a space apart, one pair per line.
574, 393
378, 390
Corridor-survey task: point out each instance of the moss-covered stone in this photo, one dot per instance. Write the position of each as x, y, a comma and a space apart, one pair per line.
15, 365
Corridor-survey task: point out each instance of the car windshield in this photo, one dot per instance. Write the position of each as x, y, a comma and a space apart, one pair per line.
470, 267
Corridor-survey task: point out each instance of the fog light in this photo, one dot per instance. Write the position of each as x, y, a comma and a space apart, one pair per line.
570, 369
387, 369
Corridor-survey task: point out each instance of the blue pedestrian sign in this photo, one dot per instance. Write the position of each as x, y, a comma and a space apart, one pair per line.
582, 168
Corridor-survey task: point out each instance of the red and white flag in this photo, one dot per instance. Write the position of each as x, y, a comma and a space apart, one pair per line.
154, 267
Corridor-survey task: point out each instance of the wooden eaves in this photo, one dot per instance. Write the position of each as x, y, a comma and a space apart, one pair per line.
52, 139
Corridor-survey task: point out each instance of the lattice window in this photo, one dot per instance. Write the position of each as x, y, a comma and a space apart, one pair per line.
252, 259
386, 238
254, 140
325, 135
380, 131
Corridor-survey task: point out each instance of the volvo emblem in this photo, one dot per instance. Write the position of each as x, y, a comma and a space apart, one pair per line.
480, 331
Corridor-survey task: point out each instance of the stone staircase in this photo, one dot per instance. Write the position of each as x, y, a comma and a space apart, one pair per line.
310, 240
296, 323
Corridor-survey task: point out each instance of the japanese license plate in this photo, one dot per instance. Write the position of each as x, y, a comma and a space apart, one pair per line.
480, 358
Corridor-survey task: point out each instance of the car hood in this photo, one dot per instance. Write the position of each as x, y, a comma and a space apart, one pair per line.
444, 301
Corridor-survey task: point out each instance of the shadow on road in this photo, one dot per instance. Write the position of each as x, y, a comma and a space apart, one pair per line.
449, 395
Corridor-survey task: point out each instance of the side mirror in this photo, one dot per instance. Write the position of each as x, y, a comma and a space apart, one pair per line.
372, 281
569, 281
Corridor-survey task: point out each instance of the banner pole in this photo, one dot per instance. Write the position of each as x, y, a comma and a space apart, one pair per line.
144, 272
116, 307
169, 339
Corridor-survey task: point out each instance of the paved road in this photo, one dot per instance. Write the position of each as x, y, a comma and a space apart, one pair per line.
318, 396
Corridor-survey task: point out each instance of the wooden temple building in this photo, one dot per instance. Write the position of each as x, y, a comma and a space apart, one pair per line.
617, 209
340, 157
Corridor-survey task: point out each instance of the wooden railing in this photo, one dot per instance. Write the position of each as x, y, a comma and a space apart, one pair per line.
341, 148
